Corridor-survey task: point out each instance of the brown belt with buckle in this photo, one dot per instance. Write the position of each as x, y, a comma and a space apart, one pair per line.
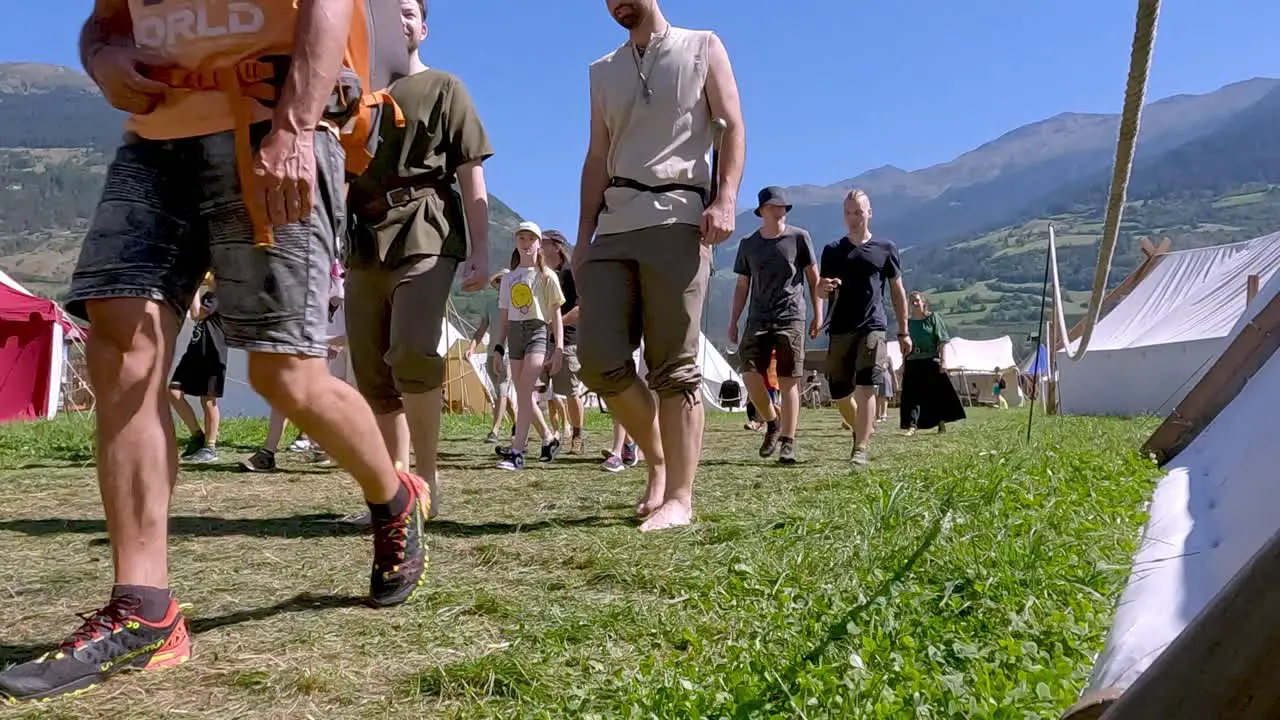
378, 206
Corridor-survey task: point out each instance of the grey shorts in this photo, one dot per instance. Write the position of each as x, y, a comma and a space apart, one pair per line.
855, 360
526, 337
172, 209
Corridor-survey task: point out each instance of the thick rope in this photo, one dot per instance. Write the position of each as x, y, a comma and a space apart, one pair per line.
1144, 36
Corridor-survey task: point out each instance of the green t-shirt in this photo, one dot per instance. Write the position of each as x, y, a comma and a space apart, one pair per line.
928, 335
442, 131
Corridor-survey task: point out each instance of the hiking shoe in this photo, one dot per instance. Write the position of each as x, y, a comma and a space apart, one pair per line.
577, 444
502, 451
513, 461
550, 450
399, 548
770, 443
491, 438
787, 451
859, 457
613, 464
300, 445
195, 444
630, 454
261, 461
203, 456
111, 640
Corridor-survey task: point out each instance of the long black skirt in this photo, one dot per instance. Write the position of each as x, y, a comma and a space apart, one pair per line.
928, 397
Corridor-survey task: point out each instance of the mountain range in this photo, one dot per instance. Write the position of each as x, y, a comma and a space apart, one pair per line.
971, 230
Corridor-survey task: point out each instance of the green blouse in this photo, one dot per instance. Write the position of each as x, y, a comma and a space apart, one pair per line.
928, 335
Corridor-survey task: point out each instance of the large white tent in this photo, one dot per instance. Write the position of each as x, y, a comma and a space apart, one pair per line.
1210, 513
1152, 347
716, 371
981, 362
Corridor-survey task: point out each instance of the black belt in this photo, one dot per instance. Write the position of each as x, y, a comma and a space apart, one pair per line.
665, 188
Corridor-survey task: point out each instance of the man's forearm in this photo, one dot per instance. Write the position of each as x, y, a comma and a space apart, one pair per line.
900, 307
571, 317
475, 204
557, 329
319, 42
595, 180
733, 156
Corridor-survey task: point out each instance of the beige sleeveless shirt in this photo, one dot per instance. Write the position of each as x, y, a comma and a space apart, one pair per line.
666, 139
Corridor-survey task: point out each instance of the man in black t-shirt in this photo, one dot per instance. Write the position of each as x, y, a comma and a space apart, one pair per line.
202, 373
566, 383
855, 269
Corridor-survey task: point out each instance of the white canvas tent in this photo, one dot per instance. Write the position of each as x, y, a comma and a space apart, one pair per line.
716, 370
1152, 347
976, 361
1210, 513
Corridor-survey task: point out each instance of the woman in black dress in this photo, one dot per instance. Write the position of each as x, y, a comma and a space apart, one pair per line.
928, 397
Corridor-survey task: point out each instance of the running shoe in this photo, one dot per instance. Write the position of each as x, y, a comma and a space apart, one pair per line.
512, 461
491, 438
550, 450
261, 461
112, 640
769, 445
400, 549
787, 451
859, 457
194, 444
203, 456
613, 463
630, 454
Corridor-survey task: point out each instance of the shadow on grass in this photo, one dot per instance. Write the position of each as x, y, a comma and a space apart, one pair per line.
317, 525
305, 602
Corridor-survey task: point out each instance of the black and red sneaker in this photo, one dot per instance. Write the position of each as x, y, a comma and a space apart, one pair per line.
400, 548
112, 640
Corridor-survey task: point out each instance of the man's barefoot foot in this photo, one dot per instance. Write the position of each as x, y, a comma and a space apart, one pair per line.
672, 513
654, 492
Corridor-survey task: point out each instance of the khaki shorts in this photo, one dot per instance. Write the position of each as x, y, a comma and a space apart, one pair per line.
394, 323
567, 382
758, 345
855, 360
646, 284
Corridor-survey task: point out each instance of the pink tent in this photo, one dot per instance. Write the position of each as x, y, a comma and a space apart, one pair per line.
33, 331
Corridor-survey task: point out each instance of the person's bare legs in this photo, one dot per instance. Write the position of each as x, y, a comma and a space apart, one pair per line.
185, 412
332, 413
576, 409
275, 430
635, 411
499, 409
759, 395
789, 389
848, 407
422, 410
526, 371
559, 417
865, 397
680, 420
128, 355
394, 428
212, 420
619, 437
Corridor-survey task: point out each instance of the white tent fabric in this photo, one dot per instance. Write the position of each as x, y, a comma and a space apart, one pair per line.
1150, 350
978, 356
1210, 513
239, 399
715, 372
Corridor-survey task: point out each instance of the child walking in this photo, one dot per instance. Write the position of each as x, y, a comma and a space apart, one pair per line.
531, 333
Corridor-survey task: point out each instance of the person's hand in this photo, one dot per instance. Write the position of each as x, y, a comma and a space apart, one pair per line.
904, 344
815, 327
580, 252
717, 222
471, 350
826, 286
733, 333
475, 272
119, 72
554, 361
286, 172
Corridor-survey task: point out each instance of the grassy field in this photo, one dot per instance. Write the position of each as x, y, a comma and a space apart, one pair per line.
965, 575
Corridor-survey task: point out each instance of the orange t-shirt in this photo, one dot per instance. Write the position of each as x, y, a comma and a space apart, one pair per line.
206, 34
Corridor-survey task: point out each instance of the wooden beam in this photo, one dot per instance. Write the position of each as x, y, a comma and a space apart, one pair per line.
1226, 663
1151, 255
1253, 347
1251, 286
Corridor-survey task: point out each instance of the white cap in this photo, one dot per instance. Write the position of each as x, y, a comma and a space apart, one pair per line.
530, 226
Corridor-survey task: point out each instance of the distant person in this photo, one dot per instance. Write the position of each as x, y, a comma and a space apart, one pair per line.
202, 373
642, 260
884, 391
504, 396
929, 399
772, 265
855, 269
997, 390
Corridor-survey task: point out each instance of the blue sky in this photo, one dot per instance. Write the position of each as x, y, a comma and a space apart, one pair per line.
830, 87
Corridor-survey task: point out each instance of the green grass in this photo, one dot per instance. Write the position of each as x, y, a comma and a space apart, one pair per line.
964, 575
1243, 199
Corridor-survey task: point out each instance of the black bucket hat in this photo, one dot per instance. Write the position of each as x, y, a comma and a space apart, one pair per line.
772, 195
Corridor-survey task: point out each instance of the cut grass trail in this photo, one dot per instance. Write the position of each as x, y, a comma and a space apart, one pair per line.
544, 602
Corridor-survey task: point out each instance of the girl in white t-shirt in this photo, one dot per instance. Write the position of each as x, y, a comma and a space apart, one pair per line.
531, 333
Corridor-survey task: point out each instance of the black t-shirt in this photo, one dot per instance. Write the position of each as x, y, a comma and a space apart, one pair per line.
570, 291
863, 271
776, 267
208, 340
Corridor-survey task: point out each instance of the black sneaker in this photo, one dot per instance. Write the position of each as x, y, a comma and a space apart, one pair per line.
491, 438
399, 549
787, 451
502, 451
630, 454
770, 443
261, 461
195, 444
513, 461
112, 640
550, 450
